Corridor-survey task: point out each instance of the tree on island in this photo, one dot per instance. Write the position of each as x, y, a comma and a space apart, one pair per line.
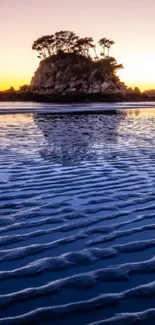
69, 42
44, 45
105, 44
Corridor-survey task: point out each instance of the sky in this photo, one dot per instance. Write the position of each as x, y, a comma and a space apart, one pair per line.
130, 23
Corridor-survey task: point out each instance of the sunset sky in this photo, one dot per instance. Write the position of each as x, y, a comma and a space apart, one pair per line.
130, 23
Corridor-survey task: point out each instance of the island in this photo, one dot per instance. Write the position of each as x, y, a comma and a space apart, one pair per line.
75, 69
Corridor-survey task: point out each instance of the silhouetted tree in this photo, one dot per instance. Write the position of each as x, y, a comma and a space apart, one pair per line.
83, 46
69, 42
44, 45
109, 44
105, 44
65, 41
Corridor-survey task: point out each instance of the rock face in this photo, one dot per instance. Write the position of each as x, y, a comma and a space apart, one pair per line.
68, 74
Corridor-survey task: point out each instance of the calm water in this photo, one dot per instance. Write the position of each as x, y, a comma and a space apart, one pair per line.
77, 226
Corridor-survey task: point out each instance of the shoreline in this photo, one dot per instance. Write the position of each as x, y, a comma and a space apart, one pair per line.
87, 108
78, 98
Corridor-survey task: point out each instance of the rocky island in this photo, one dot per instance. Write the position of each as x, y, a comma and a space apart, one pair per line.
74, 69
71, 65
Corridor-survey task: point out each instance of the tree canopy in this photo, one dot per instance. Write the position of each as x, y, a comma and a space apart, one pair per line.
69, 42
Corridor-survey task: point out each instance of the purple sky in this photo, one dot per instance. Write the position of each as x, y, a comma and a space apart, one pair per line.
130, 23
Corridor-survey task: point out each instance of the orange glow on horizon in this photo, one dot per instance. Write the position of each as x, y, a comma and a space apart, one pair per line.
22, 22
13, 82
6, 84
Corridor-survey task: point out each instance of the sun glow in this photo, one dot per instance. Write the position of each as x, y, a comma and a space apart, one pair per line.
12, 82
123, 22
139, 71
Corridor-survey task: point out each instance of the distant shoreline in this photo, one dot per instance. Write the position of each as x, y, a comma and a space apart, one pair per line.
17, 96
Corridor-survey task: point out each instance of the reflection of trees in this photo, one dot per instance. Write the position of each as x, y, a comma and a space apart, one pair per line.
73, 138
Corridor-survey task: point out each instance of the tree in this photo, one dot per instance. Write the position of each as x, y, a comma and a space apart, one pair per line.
69, 42
106, 44
95, 52
44, 45
83, 46
109, 44
37, 45
103, 43
65, 41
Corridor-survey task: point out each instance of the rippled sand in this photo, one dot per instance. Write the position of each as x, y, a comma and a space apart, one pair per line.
77, 226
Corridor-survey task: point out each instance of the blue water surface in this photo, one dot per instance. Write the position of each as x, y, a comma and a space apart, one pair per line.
77, 214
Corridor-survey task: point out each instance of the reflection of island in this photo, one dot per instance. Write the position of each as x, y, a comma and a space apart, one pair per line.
71, 139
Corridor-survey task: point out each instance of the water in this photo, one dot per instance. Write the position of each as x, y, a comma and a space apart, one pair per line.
77, 208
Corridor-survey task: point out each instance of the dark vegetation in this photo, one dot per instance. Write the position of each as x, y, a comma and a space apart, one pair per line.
28, 96
69, 42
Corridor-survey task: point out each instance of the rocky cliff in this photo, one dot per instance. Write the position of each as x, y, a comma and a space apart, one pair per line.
68, 73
